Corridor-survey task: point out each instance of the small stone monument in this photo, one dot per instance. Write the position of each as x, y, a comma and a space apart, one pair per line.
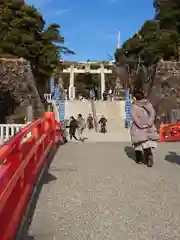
30, 117
121, 77
117, 89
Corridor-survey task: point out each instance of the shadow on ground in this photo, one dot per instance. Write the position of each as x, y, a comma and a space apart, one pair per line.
83, 139
173, 157
129, 152
48, 177
45, 178
26, 237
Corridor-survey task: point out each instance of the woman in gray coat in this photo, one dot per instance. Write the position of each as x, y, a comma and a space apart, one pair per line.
144, 134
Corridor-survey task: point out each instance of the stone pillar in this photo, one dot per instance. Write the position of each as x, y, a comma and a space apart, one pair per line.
30, 114
71, 84
102, 80
30, 117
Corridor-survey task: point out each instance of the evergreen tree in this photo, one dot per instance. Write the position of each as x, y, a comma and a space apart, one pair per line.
23, 34
158, 38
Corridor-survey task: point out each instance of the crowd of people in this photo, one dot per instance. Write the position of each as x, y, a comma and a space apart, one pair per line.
93, 93
144, 134
77, 126
107, 94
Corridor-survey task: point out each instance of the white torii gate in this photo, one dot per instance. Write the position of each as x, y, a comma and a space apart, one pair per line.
72, 70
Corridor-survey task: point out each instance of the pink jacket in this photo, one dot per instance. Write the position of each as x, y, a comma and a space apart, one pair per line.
143, 127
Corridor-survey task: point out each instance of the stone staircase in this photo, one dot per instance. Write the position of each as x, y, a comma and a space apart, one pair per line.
113, 111
74, 107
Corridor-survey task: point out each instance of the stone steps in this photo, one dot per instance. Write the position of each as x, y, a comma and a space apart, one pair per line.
113, 111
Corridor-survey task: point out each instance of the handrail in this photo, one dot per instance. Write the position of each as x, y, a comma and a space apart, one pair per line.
21, 160
7, 148
170, 132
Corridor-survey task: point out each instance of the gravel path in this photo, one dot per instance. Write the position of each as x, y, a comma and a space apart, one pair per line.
97, 192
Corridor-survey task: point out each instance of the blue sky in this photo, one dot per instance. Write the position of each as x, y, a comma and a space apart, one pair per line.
90, 27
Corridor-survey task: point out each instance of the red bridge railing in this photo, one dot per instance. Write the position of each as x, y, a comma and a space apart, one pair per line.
170, 132
21, 160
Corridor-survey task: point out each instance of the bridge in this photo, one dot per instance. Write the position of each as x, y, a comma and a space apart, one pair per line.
92, 190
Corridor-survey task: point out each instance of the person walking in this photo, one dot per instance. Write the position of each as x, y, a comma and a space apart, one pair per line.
103, 122
96, 93
143, 132
81, 126
110, 94
90, 122
91, 94
72, 128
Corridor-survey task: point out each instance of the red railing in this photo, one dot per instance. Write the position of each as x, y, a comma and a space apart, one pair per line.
21, 160
170, 132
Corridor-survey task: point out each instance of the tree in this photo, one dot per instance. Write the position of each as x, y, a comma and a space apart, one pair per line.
23, 34
167, 13
158, 38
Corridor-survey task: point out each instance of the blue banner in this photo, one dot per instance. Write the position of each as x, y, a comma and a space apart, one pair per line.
62, 110
127, 94
128, 108
57, 95
52, 86
60, 103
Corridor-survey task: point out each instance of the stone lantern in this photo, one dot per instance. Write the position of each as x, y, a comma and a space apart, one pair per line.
121, 82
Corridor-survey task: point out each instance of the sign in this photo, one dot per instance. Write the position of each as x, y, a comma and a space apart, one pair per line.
62, 110
128, 108
55, 97
52, 86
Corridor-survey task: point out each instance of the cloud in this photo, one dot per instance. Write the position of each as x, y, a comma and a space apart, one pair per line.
39, 3
56, 12
61, 11
47, 7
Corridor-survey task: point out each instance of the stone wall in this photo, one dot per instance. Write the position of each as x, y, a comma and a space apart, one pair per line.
16, 75
165, 87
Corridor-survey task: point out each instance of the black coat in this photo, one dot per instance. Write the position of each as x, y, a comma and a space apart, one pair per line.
72, 126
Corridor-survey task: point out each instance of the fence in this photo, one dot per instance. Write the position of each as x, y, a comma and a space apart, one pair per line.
7, 131
48, 97
20, 165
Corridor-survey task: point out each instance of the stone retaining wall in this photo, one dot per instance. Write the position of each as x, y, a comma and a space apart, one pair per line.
16, 75
165, 92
